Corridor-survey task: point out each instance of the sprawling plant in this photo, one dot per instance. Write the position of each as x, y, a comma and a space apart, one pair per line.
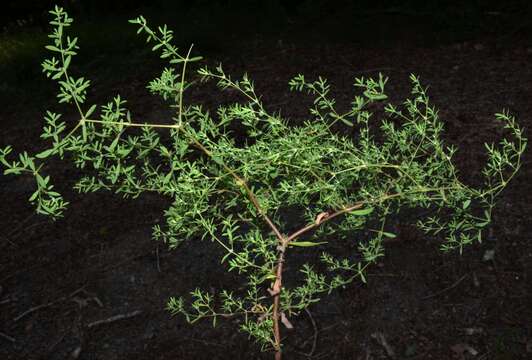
280, 189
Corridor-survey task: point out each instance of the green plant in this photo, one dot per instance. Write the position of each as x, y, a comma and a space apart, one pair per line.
242, 194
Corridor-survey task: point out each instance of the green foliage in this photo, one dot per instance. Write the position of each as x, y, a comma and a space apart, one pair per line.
241, 194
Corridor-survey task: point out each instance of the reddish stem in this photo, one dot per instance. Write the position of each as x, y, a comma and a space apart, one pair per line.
276, 293
283, 242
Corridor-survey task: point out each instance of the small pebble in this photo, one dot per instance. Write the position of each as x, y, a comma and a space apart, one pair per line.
75, 354
488, 255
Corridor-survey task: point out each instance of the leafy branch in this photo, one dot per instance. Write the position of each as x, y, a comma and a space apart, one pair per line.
242, 192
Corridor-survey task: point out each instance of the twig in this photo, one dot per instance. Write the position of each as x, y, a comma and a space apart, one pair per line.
20, 225
114, 318
42, 306
9, 241
276, 292
382, 275
38, 307
381, 340
29, 227
24, 270
446, 289
7, 337
123, 262
205, 342
315, 224
158, 261
54, 344
315, 341
5, 301
242, 183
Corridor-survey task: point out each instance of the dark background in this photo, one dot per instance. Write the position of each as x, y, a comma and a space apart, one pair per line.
476, 59
466, 17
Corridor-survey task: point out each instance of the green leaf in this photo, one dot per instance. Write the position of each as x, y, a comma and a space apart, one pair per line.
164, 151
306, 243
67, 61
168, 177
347, 122
44, 154
114, 143
90, 111
42, 182
466, 204
52, 48
482, 224
34, 196
360, 272
57, 75
217, 160
14, 171
388, 234
378, 97
362, 212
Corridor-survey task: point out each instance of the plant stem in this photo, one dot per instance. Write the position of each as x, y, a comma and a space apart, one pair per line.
276, 292
174, 126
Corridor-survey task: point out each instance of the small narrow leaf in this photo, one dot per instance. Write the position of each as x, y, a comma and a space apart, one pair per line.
44, 154
466, 204
306, 243
52, 48
67, 61
90, 111
362, 212
42, 182
114, 143
347, 122
34, 196
15, 171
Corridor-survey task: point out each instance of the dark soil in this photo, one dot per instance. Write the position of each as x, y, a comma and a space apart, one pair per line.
99, 261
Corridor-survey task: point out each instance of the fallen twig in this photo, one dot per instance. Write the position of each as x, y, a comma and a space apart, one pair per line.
20, 226
315, 340
7, 337
381, 340
82, 302
54, 344
8, 240
42, 306
7, 277
210, 343
123, 262
5, 301
446, 289
114, 318
158, 261
35, 308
